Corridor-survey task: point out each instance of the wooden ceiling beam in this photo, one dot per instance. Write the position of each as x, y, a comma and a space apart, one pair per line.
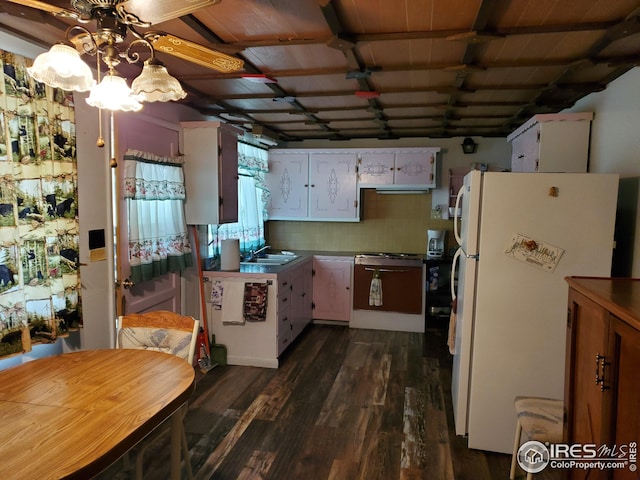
443, 89
623, 60
449, 34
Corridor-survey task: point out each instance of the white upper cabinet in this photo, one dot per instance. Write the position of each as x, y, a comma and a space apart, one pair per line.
333, 191
376, 168
312, 185
398, 168
288, 183
210, 172
557, 142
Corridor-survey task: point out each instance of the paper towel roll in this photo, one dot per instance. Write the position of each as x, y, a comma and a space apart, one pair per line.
230, 255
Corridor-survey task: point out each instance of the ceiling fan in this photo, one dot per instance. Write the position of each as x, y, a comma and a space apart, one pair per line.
117, 18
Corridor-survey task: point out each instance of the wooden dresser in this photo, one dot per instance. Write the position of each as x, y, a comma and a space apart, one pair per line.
602, 384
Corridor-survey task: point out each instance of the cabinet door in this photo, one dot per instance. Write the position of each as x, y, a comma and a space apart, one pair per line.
415, 168
525, 151
587, 399
517, 154
376, 168
332, 288
210, 173
333, 185
531, 149
228, 175
300, 298
288, 183
284, 312
622, 378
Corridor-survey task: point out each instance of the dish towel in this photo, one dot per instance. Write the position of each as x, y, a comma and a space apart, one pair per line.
451, 339
255, 301
375, 291
232, 303
217, 288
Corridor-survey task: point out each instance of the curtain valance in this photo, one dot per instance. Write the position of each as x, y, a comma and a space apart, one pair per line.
158, 237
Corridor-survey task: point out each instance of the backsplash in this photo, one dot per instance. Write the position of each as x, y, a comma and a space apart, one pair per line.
390, 223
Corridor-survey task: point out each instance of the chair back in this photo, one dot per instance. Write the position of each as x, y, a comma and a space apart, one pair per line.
161, 330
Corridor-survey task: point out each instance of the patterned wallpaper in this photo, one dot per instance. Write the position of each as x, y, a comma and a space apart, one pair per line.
39, 242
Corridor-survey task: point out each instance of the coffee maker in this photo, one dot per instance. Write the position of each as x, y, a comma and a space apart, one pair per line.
435, 243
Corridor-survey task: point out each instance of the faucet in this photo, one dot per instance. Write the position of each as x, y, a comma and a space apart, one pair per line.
254, 253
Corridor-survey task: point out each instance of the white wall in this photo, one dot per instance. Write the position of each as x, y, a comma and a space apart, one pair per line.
614, 131
615, 147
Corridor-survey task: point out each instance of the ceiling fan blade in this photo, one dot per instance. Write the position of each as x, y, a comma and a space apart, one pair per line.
193, 52
159, 11
47, 7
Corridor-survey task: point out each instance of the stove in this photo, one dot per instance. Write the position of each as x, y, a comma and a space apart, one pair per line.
402, 302
383, 258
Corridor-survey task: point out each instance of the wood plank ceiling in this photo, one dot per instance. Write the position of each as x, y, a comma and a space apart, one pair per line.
346, 69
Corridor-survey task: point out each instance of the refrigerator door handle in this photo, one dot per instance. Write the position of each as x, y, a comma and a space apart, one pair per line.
456, 234
454, 265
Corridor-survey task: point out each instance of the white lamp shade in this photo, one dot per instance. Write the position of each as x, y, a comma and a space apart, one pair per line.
62, 67
154, 84
113, 93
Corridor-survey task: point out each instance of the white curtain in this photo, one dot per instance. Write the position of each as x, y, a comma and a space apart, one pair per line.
158, 235
252, 195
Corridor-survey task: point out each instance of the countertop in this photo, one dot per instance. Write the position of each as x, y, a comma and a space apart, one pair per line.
262, 269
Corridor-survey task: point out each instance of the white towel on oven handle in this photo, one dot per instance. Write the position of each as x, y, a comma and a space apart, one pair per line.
375, 291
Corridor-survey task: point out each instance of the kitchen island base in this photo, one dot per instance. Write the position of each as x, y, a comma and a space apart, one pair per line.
259, 342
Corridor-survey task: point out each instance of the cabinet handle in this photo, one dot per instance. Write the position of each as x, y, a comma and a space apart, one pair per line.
601, 364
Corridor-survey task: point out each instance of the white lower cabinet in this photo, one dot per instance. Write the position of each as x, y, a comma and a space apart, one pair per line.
259, 344
301, 297
284, 325
332, 280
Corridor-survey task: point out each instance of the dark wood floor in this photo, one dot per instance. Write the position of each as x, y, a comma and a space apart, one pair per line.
345, 404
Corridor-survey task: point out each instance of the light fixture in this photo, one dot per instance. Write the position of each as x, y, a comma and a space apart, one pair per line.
62, 67
469, 146
113, 93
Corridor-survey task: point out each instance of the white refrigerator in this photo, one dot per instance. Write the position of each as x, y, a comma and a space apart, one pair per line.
520, 234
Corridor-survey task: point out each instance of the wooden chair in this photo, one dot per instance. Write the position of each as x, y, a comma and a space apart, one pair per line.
168, 332
539, 419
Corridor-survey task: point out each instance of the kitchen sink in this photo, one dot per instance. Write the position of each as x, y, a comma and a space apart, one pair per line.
270, 259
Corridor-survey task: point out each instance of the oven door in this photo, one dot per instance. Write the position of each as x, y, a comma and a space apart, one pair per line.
402, 288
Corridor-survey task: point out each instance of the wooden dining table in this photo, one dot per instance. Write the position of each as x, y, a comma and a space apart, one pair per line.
70, 416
